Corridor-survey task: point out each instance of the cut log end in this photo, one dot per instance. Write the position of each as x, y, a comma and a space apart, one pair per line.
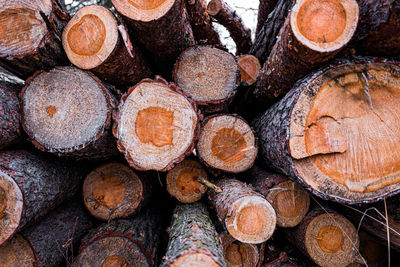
214, 7
290, 201
152, 133
17, 253
249, 67
238, 254
11, 207
183, 184
112, 251
208, 75
228, 143
252, 220
90, 36
324, 26
143, 10
112, 191
331, 240
58, 104
195, 260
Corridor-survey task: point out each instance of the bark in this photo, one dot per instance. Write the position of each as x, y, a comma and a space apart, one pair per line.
192, 234
43, 182
10, 128
88, 126
44, 54
228, 18
265, 7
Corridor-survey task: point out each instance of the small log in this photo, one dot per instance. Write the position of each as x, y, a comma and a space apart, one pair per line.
314, 32
10, 128
328, 238
152, 133
50, 241
30, 35
161, 26
209, 75
94, 41
122, 242
334, 132
114, 191
290, 201
249, 67
238, 254
30, 186
227, 143
247, 215
228, 18
193, 240
182, 181
201, 23
67, 111
265, 7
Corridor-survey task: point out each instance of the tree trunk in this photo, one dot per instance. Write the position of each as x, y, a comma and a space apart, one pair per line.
247, 216
10, 128
152, 133
327, 237
30, 35
227, 143
67, 111
249, 67
209, 75
193, 240
228, 18
290, 201
30, 186
313, 33
94, 41
238, 254
161, 26
50, 241
123, 242
265, 7
113, 190
332, 119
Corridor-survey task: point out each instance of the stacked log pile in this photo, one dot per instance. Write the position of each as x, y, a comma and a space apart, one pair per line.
138, 139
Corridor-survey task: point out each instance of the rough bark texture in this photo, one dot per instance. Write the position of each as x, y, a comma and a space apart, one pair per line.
227, 17
47, 54
10, 128
192, 232
44, 182
265, 7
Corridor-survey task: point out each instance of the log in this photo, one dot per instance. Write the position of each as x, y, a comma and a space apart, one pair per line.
327, 237
247, 215
152, 133
201, 23
30, 35
334, 131
238, 254
249, 67
30, 186
10, 127
182, 181
113, 191
290, 201
227, 143
94, 41
313, 33
123, 242
228, 18
193, 240
265, 7
50, 241
67, 111
209, 75
161, 26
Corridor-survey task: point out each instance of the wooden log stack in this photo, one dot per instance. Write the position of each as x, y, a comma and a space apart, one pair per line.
138, 139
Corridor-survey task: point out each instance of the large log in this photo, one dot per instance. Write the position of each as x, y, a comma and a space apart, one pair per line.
314, 32
49, 242
68, 112
152, 133
30, 186
94, 41
193, 240
123, 242
30, 35
238, 254
247, 216
10, 127
265, 7
334, 132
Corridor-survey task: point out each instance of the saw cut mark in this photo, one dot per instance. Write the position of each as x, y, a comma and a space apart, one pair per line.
229, 145
146, 4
